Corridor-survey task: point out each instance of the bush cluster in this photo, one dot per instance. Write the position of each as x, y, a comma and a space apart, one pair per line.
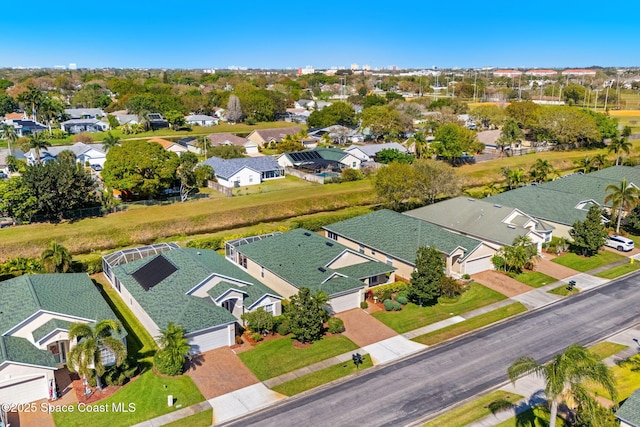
316, 224
335, 325
167, 365
384, 292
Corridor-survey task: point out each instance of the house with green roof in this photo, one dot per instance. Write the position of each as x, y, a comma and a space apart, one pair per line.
36, 312
629, 411
495, 224
394, 238
302, 259
195, 288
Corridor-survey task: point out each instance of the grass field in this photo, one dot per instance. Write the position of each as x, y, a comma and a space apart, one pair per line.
606, 349
563, 291
618, 271
150, 224
583, 264
535, 279
470, 324
536, 417
413, 316
201, 419
323, 376
472, 411
279, 356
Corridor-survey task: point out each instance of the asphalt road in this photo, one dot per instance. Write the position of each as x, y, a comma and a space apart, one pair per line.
431, 381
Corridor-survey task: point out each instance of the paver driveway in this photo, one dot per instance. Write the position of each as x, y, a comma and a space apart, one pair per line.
555, 270
502, 283
219, 371
364, 329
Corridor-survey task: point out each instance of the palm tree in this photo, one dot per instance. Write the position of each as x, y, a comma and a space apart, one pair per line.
515, 177
203, 144
618, 146
37, 142
56, 258
584, 165
110, 141
32, 99
541, 171
9, 134
174, 348
622, 197
51, 109
90, 342
564, 377
599, 161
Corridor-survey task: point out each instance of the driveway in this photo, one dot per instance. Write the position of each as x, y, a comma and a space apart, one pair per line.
557, 271
219, 371
502, 283
364, 329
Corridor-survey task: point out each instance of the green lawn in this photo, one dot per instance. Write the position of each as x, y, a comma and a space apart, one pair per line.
536, 417
472, 411
563, 291
148, 393
606, 349
413, 317
627, 381
618, 271
324, 376
583, 264
535, 279
470, 324
276, 357
201, 419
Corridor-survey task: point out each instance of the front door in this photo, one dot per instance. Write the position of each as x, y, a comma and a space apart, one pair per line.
59, 351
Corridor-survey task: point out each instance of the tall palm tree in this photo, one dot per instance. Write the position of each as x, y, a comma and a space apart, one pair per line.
203, 144
623, 197
32, 100
51, 109
9, 134
618, 146
90, 341
37, 142
515, 177
110, 141
56, 258
565, 376
541, 171
174, 348
584, 165
599, 161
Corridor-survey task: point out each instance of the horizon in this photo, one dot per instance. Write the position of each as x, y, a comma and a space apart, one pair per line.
411, 35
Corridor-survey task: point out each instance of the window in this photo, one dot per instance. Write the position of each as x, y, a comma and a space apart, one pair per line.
269, 308
250, 178
262, 271
374, 280
361, 249
332, 236
242, 260
389, 261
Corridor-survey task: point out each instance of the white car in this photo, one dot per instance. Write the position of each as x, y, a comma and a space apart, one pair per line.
620, 243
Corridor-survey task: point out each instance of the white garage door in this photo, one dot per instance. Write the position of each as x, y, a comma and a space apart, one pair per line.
479, 264
24, 391
345, 302
209, 340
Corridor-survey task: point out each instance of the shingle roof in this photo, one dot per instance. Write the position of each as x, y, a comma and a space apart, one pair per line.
168, 300
166, 144
50, 326
372, 149
200, 118
78, 149
474, 217
227, 168
76, 113
67, 294
629, 411
302, 258
400, 235
226, 138
17, 349
276, 134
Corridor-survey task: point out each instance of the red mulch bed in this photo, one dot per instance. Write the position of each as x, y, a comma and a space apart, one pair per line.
96, 394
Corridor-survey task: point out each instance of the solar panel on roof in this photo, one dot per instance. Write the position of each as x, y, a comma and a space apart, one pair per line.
153, 272
304, 155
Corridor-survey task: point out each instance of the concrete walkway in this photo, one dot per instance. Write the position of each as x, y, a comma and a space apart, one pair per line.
241, 402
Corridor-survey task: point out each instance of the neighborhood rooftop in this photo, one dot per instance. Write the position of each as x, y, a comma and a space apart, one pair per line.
227, 168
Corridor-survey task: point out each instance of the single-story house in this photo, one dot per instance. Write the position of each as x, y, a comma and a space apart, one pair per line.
338, 134
264, 137
300, 258
91, 154
174, 147
395, 238
195, 288
25, 127
4, 154
201, 120
157, 121
244, 171
319, 160
74, 126
36, 312
367, 153
496, 225
629, 412
227, 138
84, 113
127, 119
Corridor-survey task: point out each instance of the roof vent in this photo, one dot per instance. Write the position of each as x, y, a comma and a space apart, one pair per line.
497, 206
471, 199
199, 253
511, 226
306, 233
329, 243
322, 269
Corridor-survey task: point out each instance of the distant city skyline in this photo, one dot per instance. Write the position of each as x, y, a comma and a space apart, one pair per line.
406, 34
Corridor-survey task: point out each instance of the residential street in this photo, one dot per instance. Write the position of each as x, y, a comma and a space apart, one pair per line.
424, 384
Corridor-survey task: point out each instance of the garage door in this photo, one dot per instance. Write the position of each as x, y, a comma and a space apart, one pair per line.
345, 302
24, 391
212, 339
479, 264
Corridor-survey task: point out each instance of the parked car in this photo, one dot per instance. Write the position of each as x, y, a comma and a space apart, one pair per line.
96, 168
3, 175
620, 243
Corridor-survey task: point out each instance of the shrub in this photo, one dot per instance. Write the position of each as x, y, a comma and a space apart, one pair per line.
402, 299
213, 243
397, 306
256, 336
259, 320
402, 294
466, 276
335, 325
85, 137
450, 288
284, 328
349, 174
167, 365
388, 304
90, 265
394, 287
498, 262
364, 305
316, 224
385, 295
239, 340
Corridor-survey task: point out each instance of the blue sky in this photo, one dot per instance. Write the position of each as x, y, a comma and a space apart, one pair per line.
261, 34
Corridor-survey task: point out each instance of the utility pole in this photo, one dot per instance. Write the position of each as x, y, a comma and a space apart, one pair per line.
475, 90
